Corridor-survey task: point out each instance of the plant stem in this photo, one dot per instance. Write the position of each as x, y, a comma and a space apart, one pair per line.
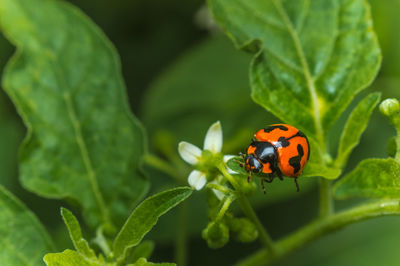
163, 166
181, 240
325, 196
248, 210
322, 227
224, 208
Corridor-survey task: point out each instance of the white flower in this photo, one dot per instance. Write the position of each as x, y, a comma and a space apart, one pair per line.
192, 154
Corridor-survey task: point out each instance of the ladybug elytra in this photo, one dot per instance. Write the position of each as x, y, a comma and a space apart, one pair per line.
277, 150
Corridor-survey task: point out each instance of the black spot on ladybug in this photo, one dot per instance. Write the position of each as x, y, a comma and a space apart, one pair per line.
296, 160
284, 142
301, 134
281, 127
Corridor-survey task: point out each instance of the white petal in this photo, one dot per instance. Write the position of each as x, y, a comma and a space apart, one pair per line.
220, 195
213, 140
189, 152
197, 179
226, 159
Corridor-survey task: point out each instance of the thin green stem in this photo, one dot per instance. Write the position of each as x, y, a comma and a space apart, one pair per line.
325, 196
101, 242
397, 157
322, 227
248, 210
224, 208
181, 239
163, 166
218, 187
396, 123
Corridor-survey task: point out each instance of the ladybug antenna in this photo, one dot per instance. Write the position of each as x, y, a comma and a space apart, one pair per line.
297, 184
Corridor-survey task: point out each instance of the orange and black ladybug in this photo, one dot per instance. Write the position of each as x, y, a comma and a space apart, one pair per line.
277, 150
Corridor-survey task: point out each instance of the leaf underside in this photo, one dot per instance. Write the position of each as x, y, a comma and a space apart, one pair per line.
65, 80
312, 57
23, 240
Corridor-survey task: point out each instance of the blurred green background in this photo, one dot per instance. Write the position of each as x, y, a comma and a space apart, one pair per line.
182, 75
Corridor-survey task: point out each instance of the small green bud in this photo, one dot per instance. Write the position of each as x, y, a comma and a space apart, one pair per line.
244, 230
216, 234
389, 107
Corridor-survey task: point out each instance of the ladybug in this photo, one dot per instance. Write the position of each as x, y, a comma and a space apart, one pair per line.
277, 150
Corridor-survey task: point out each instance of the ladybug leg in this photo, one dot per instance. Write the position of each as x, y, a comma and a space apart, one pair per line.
279, 173
241, 164
271, 178
297, 184
262, 184
249, 178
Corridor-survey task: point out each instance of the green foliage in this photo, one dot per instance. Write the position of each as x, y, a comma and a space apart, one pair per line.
23, 239
83, 122
83, 255
218, 89
143, 250
372, 178
145, 216
311, 58
144, 262
355, 126
69, 258
74, 229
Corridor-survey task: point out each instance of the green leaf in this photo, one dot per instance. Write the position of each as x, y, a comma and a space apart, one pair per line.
68, 258
144, 262
74, 229
23, 239
145, 216
372, 178
65, 80
143, 250
312, 56
355, 126
11, 134
208, 83
313, 169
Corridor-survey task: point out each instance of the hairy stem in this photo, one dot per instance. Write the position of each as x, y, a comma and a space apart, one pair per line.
248, 210
322, 227
325, 196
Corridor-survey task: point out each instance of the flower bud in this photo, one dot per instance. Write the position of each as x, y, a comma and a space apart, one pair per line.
216, 234
244, 230
390, 107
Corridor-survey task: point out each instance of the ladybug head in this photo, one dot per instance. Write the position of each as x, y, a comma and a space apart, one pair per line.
252, 164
